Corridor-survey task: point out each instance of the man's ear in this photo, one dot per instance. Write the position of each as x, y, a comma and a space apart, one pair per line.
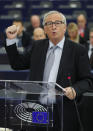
45, 30
65, 28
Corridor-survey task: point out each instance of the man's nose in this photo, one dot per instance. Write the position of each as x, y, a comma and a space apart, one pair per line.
53, 25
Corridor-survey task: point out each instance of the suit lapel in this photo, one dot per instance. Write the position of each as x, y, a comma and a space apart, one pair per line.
63, 60
43, 58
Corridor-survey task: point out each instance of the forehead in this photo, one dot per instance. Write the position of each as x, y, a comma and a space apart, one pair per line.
91, 33
34, 18
81, 17
53, 17
39, 31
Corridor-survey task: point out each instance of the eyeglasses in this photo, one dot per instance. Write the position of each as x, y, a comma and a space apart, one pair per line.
57, 23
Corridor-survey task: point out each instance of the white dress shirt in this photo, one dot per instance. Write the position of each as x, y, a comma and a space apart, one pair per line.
58, 53
90, 51
11, 41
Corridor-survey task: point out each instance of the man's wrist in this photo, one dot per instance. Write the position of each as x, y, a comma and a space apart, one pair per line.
10, 41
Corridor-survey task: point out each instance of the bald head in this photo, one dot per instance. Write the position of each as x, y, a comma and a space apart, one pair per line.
35, 21
81, 21
39, 34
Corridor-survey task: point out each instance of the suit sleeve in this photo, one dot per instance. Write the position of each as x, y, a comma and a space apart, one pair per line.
85, 78
18, 61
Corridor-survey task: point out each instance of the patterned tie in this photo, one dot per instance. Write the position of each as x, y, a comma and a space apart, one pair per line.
49, 63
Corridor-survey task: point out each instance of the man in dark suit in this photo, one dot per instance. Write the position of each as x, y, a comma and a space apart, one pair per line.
89, 47
34, 23
71, 60
82, 27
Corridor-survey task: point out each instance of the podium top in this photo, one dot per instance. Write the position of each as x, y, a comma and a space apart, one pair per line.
31, 87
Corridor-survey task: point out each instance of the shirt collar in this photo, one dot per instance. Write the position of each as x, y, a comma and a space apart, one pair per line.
90, 46
60, 44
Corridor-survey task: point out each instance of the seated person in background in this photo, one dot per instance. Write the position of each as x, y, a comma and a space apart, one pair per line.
82, 27
73, 33
39, 34
34, 23
90, 47
23, 38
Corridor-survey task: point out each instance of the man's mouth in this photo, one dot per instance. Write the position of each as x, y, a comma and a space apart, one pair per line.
53, 32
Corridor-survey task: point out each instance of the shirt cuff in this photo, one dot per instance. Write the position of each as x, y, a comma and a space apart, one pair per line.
10, 41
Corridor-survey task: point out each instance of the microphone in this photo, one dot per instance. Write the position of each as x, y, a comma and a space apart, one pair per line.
69, 79
78, 116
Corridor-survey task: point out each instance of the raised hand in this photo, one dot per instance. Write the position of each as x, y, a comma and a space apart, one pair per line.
11, 31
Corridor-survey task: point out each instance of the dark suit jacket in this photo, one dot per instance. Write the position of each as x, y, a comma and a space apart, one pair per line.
26, 40
91, 60
74, 62
86, 34
30, 30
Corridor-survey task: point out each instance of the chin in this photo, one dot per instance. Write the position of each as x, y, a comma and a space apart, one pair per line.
55, 37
